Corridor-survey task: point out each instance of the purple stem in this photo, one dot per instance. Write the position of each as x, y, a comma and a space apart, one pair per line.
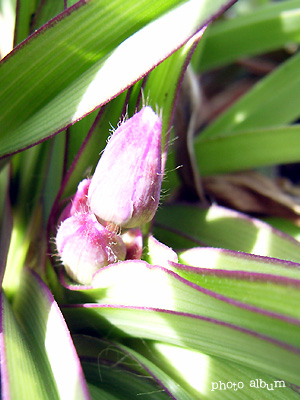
139, 103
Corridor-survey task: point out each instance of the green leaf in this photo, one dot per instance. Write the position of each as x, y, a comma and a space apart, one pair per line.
120, 384
53, 176
5, 219
47, 9
262, 30
183, 330
241, 150
207, 377
259, 289
97, 43
228, 260
170, 72
117, 362
28, 175
285, 226
7, 26
76, 135
25, 11
18, 248
19, 369
172, 294
259, 108
185, 314
39, 359
184, 226
164, 96
157, 253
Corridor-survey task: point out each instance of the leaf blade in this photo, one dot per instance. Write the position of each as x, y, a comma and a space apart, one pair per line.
50, 342
77, 85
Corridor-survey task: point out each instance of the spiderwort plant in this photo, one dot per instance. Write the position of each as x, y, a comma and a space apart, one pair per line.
177, 317
122, 194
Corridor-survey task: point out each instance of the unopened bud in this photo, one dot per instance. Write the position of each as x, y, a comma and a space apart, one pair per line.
79, 203
126, 185
85, 246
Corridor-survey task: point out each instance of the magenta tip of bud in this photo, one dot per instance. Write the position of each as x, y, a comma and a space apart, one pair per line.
80, 200
125, 188
79, 203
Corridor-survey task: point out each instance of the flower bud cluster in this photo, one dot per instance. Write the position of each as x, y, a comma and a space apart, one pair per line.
122, 194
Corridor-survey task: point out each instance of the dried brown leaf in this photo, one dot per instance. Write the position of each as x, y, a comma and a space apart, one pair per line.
253, 192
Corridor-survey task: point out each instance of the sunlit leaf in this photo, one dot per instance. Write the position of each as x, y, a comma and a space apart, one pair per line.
209, 377
116, 363
184, 226
101, 48
259, 108
263, 29
180, 312
38, 359
242, 150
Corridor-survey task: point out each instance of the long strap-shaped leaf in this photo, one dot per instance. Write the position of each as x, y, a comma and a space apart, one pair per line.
121, 361
259, 108
5, 220
183, 226
266, 28
152, 302
248, 149
38, 359
203, 375
86, 56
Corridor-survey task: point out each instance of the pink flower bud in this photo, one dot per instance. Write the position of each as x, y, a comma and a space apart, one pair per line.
85, 246
79, 203
125, 188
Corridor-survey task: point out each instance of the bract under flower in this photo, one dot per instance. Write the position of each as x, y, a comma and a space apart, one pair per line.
125, 188
133, 240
